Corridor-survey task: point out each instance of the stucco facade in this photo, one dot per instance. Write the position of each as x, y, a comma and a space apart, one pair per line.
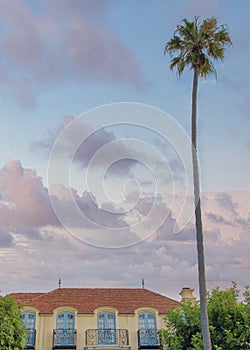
94, 319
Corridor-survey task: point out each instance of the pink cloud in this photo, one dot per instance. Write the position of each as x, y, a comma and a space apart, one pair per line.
92, 215
227, 212
25, 200
165, 260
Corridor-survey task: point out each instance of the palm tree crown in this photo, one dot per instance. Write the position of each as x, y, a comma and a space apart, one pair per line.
195, 44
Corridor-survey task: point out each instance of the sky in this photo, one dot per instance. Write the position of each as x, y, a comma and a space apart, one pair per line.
95, 166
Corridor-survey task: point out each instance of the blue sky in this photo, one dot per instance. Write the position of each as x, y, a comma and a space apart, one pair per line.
30, 105
60, 59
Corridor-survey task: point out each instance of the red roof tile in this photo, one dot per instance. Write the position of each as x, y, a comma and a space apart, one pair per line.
86, 300
22, 297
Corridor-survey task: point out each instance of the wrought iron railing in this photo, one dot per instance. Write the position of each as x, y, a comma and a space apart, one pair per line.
148, 338
107, 337
64, 338
30, 338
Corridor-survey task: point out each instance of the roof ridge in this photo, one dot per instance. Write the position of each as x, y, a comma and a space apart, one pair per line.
41, 296
86, 300
100, 288
37, 297
161, 295
29, 295
97, 288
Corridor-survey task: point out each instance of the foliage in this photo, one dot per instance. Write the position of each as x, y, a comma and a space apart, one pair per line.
197, 44
12, 328
229, 322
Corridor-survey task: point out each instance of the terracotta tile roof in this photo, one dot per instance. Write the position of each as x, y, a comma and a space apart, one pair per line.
23, 297
86, 300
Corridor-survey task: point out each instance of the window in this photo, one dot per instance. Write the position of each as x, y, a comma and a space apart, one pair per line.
65, 323
147, 329
29, 319
106, 328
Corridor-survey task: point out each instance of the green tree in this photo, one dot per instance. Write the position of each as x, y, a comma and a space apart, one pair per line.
196, 45
12, 328
229, 322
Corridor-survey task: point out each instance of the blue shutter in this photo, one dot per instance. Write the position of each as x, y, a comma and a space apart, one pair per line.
106, 328
29, 319
65, 328
147, 329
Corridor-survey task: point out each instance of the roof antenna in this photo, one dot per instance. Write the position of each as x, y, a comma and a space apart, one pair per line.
142, 283
59, 282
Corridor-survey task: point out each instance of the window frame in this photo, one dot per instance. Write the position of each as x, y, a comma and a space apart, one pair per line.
25, 317
106, 334
147, 339
63, 337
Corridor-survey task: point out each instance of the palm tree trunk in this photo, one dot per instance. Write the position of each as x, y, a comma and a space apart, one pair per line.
198, 220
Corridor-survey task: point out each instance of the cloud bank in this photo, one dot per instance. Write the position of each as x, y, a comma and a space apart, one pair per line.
39, 249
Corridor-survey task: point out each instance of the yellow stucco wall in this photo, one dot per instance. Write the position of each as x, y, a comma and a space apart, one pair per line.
45, 323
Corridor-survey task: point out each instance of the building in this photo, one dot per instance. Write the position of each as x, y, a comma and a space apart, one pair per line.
94, 318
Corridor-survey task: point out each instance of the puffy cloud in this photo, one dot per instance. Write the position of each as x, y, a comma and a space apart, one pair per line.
5, 239
91, 144
111, 154
66, 200
26, 206
218, 218
25, 201
227, 203
39, 251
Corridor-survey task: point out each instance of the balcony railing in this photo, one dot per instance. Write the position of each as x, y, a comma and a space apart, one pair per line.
107, 337
30, 338
148, 339
64, 338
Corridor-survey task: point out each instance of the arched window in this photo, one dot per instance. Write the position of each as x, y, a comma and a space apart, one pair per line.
65, 323
29, 319
147, 329
106, 328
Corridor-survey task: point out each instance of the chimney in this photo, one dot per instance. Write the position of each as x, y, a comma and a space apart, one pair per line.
187, 293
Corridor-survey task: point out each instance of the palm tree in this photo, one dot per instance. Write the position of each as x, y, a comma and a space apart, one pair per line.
196, 45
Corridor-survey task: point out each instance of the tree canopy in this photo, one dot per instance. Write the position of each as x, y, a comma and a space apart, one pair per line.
12, 328
229, 322
196, 44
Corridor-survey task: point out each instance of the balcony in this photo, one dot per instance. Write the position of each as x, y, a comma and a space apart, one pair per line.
106, 337
30, 338
148, 339
64, 339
